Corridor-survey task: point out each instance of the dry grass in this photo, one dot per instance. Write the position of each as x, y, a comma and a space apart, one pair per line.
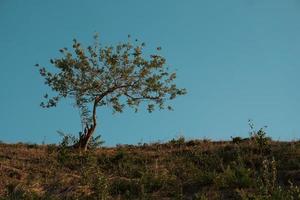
174, 170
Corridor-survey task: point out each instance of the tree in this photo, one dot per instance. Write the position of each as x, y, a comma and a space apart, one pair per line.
108, 76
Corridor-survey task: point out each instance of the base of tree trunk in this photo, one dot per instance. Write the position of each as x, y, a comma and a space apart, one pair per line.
85, 139
81, 144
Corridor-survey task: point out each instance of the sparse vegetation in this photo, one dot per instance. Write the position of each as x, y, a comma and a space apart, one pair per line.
178, 169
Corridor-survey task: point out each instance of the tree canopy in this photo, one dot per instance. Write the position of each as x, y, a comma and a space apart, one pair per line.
113, 76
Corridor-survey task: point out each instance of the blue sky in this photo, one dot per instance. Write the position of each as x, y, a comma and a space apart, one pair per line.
239, 60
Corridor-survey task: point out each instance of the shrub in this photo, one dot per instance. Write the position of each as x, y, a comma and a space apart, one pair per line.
268, 188
151, 182
100, 186
236, 140
125, 187
260, 138
178, 142
234, 177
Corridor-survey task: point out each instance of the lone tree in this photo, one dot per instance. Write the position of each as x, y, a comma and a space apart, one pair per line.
112, 76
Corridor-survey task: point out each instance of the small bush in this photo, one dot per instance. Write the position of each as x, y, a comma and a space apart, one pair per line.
125, 187
100, 186
234, 177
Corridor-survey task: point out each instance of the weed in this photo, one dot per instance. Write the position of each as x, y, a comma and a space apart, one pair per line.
260, 138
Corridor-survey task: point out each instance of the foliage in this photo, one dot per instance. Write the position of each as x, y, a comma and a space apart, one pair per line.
268, 178
66, 152
178, 142
234, 177
112, 76
268, 188
259, 137
101, 188
69, 140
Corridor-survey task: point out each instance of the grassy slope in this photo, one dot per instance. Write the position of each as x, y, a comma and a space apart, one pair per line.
175, 170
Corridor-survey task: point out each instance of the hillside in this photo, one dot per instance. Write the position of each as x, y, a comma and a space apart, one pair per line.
199, 169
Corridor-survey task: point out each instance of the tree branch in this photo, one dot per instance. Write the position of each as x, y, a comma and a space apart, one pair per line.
111, 90
142, 98
94, 111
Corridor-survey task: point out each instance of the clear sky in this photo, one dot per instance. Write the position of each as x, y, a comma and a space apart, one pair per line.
239, 60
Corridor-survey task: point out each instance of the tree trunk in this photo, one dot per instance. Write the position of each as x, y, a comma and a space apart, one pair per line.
88, 131
85, 138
